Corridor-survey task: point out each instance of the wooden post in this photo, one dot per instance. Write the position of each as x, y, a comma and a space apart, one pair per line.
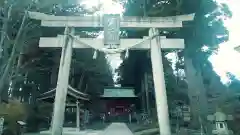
78, 116
50, 128
62, 84
143, 96
159, 84
146, 92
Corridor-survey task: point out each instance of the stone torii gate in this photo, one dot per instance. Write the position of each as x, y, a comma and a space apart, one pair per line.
111, 25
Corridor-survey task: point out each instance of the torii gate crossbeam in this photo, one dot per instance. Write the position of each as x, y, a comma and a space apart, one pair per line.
98, 43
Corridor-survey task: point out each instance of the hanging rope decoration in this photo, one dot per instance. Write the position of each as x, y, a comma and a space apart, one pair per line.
95, 54
126, 54
113, 51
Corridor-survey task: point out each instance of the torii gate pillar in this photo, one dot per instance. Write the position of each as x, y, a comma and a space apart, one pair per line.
62, 83
159, 83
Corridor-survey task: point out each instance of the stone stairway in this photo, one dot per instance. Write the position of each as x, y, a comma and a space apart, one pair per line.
117, 129
112, 129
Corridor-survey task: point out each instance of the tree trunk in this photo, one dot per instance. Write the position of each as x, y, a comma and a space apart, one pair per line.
86, 88
8, 11
147, 93
81, 81
12, 59
143, 97
54, 77
196, 93
15, 84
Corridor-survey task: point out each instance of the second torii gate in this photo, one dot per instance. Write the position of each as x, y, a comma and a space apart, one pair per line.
154, 42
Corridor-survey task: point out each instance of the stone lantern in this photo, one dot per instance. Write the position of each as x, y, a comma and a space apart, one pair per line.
219, 120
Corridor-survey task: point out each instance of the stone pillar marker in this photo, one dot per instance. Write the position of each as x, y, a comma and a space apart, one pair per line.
78, 115
1, 125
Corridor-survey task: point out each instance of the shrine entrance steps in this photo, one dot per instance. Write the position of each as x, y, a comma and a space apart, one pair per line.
117, 129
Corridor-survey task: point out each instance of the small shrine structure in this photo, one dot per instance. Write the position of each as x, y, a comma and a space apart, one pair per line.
118, 102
